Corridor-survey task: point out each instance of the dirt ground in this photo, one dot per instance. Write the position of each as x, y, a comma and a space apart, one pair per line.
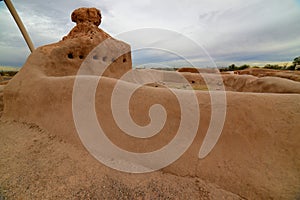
37, 165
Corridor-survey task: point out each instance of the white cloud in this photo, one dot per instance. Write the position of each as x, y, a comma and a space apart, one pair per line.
231, 30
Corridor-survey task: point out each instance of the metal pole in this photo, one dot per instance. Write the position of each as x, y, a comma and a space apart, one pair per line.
21, 26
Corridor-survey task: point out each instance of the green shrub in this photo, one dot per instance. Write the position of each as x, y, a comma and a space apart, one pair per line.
243, 67
292, 67
296, 61
268, 66
8, 73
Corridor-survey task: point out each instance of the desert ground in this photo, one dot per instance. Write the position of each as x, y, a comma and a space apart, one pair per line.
37, 165
42, 155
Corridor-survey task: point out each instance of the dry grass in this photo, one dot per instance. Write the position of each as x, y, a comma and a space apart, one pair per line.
200, 87
9, 68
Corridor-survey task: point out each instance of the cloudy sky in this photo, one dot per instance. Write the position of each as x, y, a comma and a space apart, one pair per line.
230, 31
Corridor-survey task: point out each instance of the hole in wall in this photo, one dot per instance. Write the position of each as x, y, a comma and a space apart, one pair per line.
70, 55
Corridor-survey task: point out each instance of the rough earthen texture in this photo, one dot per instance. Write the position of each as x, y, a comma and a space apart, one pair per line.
86, 15
1, 99
245, 83
36, 164
87, 21
65, 57
256, 157
292, 75
196, 70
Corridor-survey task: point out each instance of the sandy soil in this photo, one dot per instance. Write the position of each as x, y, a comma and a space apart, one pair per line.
1, 99
37, 165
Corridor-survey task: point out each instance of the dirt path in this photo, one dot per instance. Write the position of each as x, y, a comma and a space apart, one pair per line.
37, 165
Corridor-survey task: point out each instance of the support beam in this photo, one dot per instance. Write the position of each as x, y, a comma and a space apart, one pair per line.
21, 26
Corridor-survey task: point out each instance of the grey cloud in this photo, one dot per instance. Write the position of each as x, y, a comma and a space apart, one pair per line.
230, 30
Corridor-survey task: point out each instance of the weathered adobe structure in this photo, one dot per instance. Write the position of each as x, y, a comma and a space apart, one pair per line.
257, 155
65, 57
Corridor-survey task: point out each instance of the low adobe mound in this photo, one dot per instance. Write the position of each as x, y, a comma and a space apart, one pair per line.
231, 82
245, 83
256, 156
248, 80
197, 70
292, 75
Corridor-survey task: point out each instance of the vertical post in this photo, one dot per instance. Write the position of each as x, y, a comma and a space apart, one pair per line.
21, 26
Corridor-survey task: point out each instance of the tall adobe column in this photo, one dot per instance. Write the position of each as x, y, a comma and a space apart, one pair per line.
112, 54
87, 21
65, 57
